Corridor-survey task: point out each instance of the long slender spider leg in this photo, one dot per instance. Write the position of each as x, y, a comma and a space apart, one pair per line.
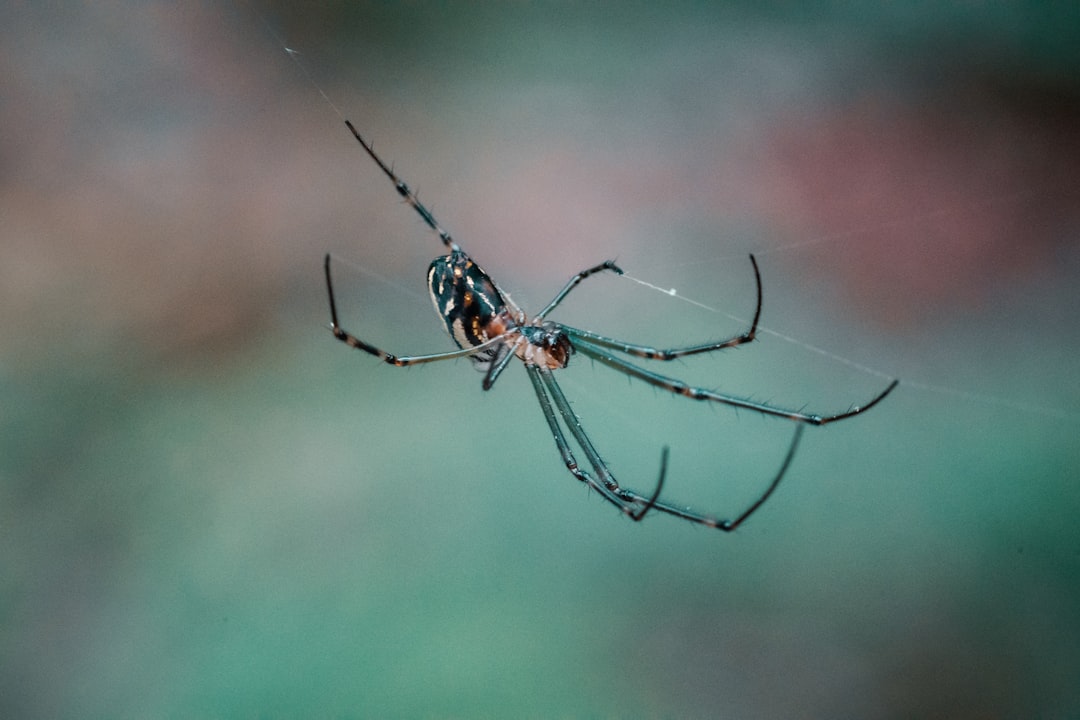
399, 361
655, 497
570, 419
729, 525
681, 388
573, 283
650, 353
495, 368
564, 447
405, 191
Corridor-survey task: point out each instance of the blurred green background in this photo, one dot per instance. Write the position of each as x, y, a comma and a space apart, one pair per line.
211, 508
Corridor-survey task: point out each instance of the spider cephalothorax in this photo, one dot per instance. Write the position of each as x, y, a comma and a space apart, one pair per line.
491, 330
546, 346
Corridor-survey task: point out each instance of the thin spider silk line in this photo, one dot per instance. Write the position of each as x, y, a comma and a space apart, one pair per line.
985, 399
672, 292
294, 55
382, 278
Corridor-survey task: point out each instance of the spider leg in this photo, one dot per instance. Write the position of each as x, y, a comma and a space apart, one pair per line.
499, 364
729, 525
405, 191
399, 361
634, 505
625, 498
496, 368
573, 283
650, 353
681, 388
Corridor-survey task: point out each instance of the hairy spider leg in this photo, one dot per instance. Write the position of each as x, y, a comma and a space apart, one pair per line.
624, 498
651, 353
679, 387
630, 348
397, 360
573, 283
496, 368
428, 217
636, 506
729, 525
405, 191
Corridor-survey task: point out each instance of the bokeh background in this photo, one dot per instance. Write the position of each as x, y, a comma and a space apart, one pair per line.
210, 508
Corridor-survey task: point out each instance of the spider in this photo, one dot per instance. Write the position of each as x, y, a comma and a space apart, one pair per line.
490, 329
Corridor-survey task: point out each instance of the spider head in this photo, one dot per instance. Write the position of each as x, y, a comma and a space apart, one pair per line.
546, 345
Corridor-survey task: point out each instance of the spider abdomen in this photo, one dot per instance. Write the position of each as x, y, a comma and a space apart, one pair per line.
466, 299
